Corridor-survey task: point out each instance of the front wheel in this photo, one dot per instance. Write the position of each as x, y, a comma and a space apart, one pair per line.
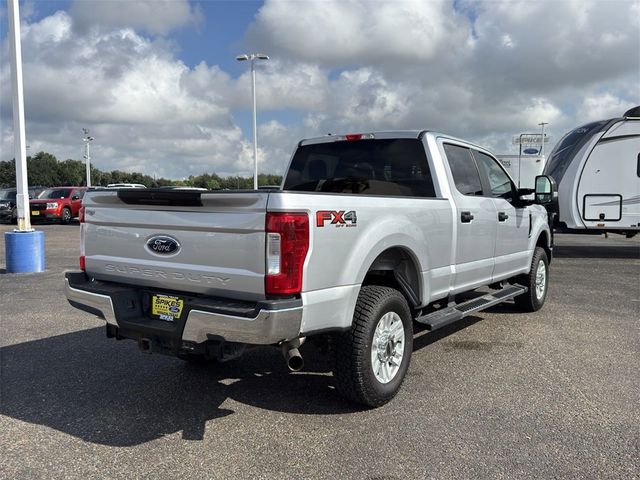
537, 282
373, 357
65, 216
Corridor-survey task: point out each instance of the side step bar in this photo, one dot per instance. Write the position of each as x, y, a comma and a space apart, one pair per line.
448, 315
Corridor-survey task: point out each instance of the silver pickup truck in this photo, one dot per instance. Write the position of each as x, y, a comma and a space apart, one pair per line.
369, 233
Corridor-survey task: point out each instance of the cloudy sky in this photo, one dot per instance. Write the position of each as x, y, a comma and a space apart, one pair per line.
157, 85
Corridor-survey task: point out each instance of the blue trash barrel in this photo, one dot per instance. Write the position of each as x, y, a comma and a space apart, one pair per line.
24, 251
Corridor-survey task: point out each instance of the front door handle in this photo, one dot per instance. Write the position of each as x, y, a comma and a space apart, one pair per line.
466, 217
502, 216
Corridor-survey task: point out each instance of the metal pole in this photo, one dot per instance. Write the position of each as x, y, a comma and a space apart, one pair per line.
255, 133
542, 138
19, 137
88, 157
520, 159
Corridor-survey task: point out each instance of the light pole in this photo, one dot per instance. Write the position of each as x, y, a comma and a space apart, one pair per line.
87, 139
252, 57
542, 124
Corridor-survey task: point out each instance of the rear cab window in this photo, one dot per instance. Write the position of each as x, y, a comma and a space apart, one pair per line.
388, 167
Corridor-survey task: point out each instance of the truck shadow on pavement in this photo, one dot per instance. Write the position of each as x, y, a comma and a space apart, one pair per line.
111, 394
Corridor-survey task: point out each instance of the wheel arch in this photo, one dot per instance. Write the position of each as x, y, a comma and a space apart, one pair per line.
544, 241
397, 267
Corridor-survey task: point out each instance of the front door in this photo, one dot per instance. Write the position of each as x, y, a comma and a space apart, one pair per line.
513, 223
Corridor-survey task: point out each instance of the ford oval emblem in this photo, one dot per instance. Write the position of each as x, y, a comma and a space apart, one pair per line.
530, 151
163, 245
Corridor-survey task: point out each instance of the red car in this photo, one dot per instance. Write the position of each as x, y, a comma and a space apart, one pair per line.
57, 203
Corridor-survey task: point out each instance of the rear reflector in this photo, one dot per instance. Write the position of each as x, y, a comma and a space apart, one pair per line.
286, 251
82, 263
81, 215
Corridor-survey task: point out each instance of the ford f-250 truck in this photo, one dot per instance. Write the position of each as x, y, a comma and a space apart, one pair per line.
369, 233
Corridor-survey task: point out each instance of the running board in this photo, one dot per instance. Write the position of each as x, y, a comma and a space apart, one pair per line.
448, 315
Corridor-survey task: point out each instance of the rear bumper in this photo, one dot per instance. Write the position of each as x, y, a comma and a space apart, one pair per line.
203, 318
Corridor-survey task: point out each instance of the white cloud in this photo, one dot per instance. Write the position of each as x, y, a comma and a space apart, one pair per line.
482, 70
600, 106
157, 17
337, 32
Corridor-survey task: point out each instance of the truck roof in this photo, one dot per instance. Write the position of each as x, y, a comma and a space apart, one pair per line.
389, 134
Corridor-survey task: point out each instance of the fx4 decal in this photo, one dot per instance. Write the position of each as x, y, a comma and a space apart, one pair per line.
336, 217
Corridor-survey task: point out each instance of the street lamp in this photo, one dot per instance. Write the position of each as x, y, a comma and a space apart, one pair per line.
87, 157
542, 124
252, 57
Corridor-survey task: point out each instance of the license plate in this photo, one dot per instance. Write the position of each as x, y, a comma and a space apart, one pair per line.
35, 212
166, 307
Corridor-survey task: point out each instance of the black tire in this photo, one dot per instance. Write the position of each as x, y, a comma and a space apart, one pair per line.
14, 216
65, 216
353, 371
533, 300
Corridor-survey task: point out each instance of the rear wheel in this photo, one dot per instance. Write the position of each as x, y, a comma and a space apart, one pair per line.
537, 281
65, 216
373, 357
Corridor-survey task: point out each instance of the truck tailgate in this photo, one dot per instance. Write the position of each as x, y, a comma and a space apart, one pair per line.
191, 241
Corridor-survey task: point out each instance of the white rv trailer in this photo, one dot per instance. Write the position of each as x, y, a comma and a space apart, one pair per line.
597, 169
523, 169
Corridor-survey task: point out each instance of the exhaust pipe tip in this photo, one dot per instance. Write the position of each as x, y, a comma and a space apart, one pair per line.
295, 362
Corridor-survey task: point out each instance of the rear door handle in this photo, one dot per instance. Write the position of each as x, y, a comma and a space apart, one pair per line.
466, 217
502, 216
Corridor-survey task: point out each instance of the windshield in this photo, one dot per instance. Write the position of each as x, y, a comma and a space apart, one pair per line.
395, 167
53, 193
567, 148
7, 194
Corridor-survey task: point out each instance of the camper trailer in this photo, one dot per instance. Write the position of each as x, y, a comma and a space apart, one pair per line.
597, 169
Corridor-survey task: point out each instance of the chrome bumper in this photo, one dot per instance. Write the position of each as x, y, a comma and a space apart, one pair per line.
266, 328
95, 301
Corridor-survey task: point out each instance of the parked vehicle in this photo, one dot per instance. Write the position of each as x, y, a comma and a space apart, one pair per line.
126, 185
369, 233
597, 169
8, 205
57, 203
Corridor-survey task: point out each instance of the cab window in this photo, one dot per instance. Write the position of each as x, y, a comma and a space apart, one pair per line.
389, 167
464, 170
499, 181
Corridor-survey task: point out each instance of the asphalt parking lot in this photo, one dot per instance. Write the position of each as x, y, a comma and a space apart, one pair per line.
555, 394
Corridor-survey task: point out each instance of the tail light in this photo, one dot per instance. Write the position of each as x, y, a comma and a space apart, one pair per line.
286, 251
82, 227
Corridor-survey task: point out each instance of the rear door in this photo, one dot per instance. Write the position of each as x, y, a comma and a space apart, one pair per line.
513, 223
476, 220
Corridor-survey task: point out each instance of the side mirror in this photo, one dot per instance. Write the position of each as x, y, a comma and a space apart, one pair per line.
75, 197
546, 192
